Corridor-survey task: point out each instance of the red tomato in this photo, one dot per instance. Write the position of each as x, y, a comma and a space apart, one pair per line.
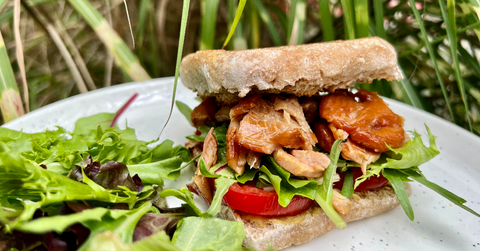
247, 198
371, 183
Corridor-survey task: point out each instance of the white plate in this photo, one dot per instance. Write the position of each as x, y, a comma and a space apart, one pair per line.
438, 224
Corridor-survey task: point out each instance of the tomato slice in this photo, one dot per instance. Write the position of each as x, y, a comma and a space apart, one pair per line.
247, 198
371, 183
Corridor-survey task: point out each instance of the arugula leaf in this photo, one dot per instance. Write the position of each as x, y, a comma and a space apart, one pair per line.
396, 179
197, 233
325, 191
185, 195
221, 135
185, 110
199, 138
205, 172
347, 189
222, 185
417, 175
413, 153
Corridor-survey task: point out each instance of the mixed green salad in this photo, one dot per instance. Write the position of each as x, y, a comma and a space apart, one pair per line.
98, 187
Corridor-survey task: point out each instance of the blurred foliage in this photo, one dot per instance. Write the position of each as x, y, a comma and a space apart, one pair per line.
265, 23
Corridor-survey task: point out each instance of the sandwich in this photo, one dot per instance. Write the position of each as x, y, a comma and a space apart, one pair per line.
303, 149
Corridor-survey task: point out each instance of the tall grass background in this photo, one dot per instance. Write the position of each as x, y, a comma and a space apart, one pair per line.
57, 49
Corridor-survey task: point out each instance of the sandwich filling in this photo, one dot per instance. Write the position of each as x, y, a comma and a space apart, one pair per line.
267, 135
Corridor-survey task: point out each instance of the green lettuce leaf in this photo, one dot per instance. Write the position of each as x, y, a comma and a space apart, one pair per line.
205, 172
60, 150
287, 188
222, 185
199, 138
347, 189
185, 110
325, 190
154, 173
121, 222
412, 154
185, 195
396, 179
415, 174
248, 175
198, 233
86, 124
285, 175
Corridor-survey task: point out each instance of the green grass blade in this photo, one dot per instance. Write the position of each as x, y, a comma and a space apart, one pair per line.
362, 27
382, 86
6, 16
297, 17
348, 17
2, 2
268, 22
239, 40
290, 17
238, 15
209, 23
431, 52
255, 27
378, 10
280, 14
451, 26
361, 18
54, 34
410, 96
231, 17
10, 102
125, 59
438, 40
181, 42
141, 22
326, 20
468, 10
152, 42
469, 61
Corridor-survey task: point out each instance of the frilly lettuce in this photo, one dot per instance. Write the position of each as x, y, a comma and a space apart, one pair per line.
412, 154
